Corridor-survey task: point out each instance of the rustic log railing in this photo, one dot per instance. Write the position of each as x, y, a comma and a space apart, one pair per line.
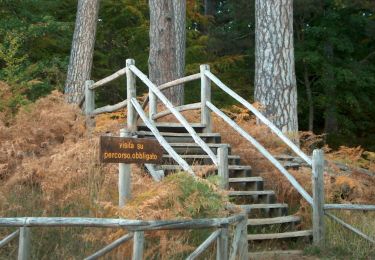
317, 162
206, 106
137, 229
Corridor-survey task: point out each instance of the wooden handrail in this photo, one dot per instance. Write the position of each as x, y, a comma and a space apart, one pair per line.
117, 223
179, 117
110, 247
263, 151
200, 249
110, 108
108, 79
351, 228
172, 84
160, 138
349, 207
9, 238
192, 106
261, 117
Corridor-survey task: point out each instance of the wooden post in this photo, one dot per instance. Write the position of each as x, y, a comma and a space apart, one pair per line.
24, 244
139, 238
243, 246
205, 96
222, 157
131, 93
124, 178
318, 197
153, 105
89, 102
222, 244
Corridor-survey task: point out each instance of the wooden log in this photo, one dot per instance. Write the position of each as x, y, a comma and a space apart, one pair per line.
351, 228
349, 207
223, 172
235, 241
222, 244
9, 238
318, 197
108, 79
157, 175
200, 249
118, 223
89, 103
179, 109
205, 96
243, 245
179, 117
261, 117
160, 138
110, 108
131, 93
263, 151
124, 179
172, 84
138, 245
24, 244
110, 247
70, 222
89, 97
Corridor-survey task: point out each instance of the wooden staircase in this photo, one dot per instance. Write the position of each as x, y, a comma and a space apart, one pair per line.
269, 222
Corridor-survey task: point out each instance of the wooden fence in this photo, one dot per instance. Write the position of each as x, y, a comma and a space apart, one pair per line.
237, 249
316, 200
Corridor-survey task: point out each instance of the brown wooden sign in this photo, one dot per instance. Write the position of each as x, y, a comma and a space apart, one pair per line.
129, 150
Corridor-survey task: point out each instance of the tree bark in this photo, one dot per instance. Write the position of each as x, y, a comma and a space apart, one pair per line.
210, 7
310, 100
81, 55
330, 114
275, 79
167, 45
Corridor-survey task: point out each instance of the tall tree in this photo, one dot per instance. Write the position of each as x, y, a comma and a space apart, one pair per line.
167, 45
81, 55
275, 80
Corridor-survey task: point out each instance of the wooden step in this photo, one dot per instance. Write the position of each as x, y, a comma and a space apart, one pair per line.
193, 148
182, 137
271, 221
249, 207
252, 196
200, 159
302, 233
251, 192
276, 254
173, 127
245, 179
233, 169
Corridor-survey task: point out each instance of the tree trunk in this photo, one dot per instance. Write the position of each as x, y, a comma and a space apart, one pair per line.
330, 114
310, 100
167, 45
82, 51
275, 80
209, 7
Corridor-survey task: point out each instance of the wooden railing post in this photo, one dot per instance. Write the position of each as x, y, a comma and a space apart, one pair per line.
223, 172
318, 197
205, 96
139, 238
222, 244
89, 102
24, 244
124, 178
131, 93
243, 246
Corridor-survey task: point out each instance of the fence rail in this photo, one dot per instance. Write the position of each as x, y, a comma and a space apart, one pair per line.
320, 208
136, 226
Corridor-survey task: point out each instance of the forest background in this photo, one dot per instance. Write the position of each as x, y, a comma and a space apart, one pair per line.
334, 50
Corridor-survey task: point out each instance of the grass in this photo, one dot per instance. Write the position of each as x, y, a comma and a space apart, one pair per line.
341, 243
